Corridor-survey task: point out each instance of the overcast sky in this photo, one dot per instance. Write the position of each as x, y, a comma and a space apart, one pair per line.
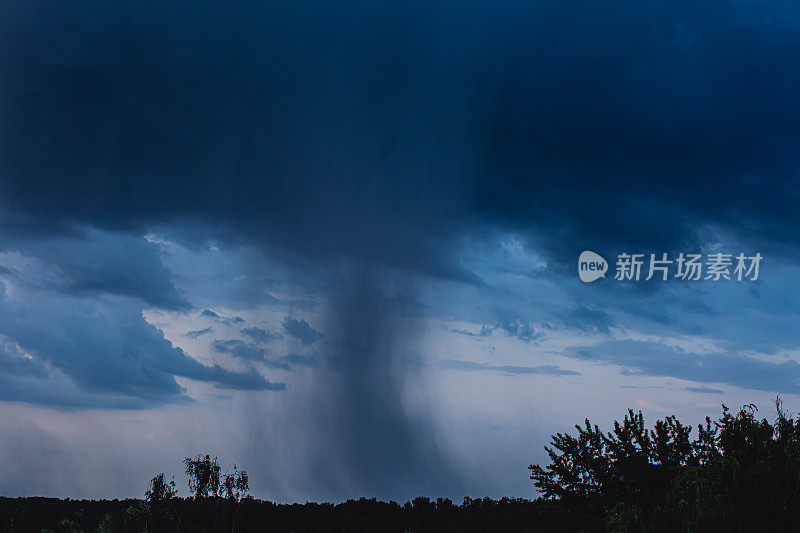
337, 242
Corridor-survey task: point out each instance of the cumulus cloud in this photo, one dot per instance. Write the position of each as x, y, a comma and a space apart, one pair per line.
301, 330
260, 335
249, 352
240, 349
522, 330
91, 262
485, 331
100, 352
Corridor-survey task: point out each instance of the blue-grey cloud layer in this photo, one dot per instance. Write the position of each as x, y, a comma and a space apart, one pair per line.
379, 135
73, 331
104, 349
385, 136
657, 359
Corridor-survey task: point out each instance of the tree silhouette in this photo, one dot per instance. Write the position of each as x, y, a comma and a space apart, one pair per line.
204, 475
160, 490
160, 495
235, 484
738, 474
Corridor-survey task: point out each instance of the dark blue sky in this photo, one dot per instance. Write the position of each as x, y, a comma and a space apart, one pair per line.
337, 217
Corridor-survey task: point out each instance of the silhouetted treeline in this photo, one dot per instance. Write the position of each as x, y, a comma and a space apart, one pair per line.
250, 515
737, 473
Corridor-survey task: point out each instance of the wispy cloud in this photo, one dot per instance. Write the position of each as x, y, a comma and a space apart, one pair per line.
198, 332
657, 359
471, 366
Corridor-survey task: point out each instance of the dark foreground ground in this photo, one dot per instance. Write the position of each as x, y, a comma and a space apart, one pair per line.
50, 514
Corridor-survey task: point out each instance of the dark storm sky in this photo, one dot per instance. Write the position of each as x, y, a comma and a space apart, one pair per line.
357, 144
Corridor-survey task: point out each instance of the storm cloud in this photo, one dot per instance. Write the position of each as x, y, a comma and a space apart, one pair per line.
363, 147
405, 123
